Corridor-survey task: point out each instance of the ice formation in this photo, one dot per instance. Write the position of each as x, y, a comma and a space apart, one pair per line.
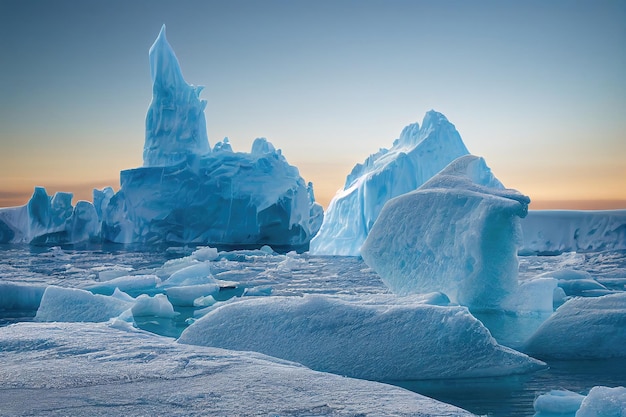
599, 324
175, 123
49, 220
184, 193
414, 158
86, 369
457, 234
559, 402
558, 231
386, 341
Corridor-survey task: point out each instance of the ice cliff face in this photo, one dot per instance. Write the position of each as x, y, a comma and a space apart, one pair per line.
417, 155
175, 123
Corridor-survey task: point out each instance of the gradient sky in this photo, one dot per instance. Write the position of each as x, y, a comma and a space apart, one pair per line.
538, 88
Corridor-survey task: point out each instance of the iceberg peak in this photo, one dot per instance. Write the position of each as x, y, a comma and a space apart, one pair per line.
175, 122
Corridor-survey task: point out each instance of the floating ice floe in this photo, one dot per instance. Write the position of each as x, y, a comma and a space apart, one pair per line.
380, 341
583, 328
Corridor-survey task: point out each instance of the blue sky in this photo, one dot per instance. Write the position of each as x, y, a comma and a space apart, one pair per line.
537, 88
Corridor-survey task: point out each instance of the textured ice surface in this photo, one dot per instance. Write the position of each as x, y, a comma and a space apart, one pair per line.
558, 231
380, 341
583, 328
415, 157
49, 220
80, 369
458, 234
71, 304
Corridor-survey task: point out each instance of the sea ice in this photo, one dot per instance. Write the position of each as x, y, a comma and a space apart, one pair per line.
604, 402
157, 306
557, 402
386, 341
599, 326
94, 369
558, 231
415, 157
457, 233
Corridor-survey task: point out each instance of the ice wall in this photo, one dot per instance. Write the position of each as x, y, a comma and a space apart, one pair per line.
416, 156
558, 231
457, 234
175, 123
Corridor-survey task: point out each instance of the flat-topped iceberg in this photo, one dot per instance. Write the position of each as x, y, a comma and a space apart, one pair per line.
558, 231
417, 155
457, 234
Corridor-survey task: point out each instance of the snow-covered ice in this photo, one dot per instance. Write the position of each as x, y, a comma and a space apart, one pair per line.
599, 402
393, 340
458, 234
417, 155
84, 369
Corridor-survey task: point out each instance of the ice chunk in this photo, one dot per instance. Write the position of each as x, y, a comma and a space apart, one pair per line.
380, 342
456, 234
604, 402
130, 284
195, 274
415, 157
559, 402
533, 296
175, 123
558, 231
599, 325
205, 254
157, 306
186, 296
70, 304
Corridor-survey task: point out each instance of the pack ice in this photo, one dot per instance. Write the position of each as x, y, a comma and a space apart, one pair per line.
185, 192
417, 155
457, 234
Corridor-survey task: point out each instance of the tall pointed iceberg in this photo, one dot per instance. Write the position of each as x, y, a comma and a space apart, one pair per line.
417, 155
175, 123
187, 193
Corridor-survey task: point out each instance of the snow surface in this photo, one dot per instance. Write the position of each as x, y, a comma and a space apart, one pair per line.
583, 328
558, 231
82, 369
417, 155
457, 234
394, 340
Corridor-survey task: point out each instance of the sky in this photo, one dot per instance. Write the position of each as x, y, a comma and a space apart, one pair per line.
537, 88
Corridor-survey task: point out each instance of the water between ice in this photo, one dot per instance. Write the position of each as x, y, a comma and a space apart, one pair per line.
299, 274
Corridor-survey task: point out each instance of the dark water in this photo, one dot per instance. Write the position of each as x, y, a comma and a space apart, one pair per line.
513, 395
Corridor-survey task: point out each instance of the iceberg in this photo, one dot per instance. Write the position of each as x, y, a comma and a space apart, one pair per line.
49, 220
417, 155
188, 193
599, 324
557, 231
456, 234
600, 402
393, 340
